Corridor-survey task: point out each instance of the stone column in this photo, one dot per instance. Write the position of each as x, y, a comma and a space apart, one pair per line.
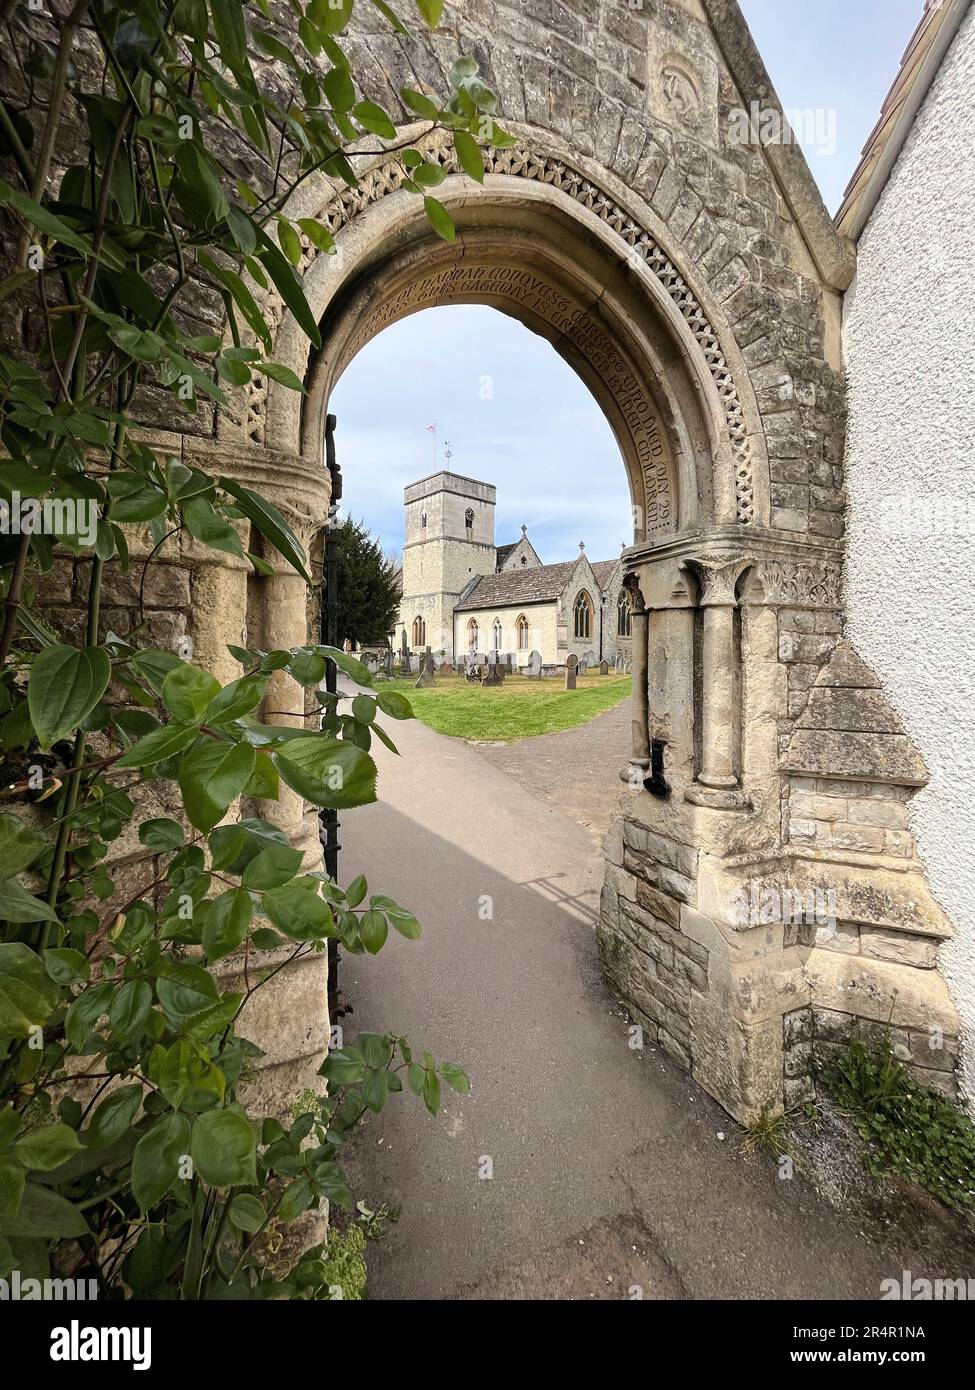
639, 764
718, 578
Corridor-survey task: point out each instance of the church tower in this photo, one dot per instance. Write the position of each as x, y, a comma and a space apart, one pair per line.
448, 539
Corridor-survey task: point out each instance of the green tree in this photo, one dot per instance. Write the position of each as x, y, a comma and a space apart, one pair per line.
368, 589
150, 152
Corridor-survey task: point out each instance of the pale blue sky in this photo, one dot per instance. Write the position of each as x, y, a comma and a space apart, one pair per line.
539, 436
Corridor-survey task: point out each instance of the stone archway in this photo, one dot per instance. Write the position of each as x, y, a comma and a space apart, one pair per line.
695, 288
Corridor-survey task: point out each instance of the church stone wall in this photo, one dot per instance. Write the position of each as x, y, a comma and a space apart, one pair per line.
543, 631
911, 552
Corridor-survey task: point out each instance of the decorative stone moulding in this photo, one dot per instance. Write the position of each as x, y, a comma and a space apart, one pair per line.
388, 177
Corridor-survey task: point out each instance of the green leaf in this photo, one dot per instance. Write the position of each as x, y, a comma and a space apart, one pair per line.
44, 220
283, 375
17, 905
246, 1213
270, 523
299, 912
130, 1008
65, 685
373, 931
308, 668
469, 154
356, 891
114, 1116
431, 1090
20, 845
45, 1214
157, 746
340, 90
394, 704
364, 708
222, 1146
184, 990
273, 867
374, 119
327, 772
210, 776
12, 1180
66, 967
27, 995
420, 103
431, 11
236, 699
187, 691
455, 1077
289, 287
155, 1163
359, 673
161, 835
225, 926
47, 1148
404, 922
317, 234
440, 219
290, 244
85, 1012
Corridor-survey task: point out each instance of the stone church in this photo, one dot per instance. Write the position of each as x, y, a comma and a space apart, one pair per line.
464, 595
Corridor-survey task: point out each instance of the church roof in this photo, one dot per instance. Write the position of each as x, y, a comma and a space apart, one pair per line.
504, 551
526, 586
919, 66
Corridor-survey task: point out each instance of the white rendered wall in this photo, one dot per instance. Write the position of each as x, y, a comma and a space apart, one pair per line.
910, 576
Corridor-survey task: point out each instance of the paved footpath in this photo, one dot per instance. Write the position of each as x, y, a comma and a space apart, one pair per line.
608, 1169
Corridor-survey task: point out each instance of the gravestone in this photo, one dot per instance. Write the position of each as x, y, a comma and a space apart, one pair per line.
534, 668
618, 663
494, 674
604, 668
583, 666
571, 666
427, 670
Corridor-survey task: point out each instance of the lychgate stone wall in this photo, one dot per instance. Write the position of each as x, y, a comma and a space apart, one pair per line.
694, 282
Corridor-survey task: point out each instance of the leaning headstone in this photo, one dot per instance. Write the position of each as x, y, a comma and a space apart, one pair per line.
427, 670
534, 668
618, 663
583, 666
604, 668
571, 665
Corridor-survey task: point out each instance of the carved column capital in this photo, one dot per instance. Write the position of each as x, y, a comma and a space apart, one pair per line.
718, 575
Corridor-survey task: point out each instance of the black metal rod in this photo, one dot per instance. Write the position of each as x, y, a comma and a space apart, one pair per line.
328, 819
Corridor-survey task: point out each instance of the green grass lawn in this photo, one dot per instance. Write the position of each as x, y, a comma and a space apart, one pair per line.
518, 709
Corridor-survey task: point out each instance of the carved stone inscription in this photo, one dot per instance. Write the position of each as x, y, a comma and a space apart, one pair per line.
532, 293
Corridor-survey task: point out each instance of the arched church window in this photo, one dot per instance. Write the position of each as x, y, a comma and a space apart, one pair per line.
583, 616
472, 635
497, 632
524, 559
623, 615
522, 626
469, 521
419, 632
423, 521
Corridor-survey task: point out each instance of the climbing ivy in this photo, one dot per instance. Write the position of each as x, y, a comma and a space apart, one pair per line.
150, 155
